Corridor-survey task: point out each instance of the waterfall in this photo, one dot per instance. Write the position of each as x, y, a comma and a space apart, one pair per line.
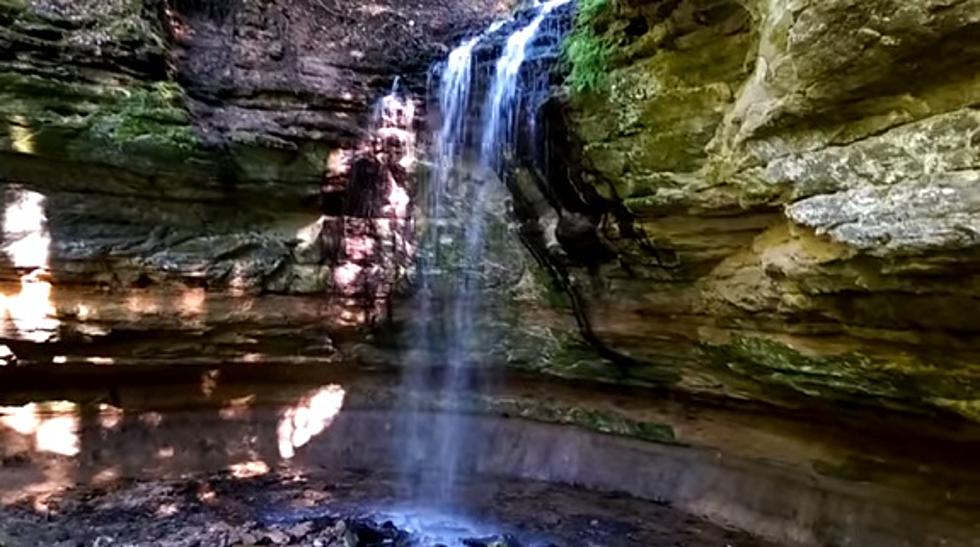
501, 102
454, 87
457, 210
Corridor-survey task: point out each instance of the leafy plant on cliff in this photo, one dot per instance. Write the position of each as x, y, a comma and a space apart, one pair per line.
585, 53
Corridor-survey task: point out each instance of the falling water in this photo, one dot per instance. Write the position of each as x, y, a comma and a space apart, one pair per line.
452, 249
501, 102
422, 450
454, 95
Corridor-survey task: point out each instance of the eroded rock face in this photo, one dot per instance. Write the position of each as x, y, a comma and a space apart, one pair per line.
790, 191
188, 180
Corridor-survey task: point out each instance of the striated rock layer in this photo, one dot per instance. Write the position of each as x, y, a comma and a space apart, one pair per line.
187, 179
774, 201
770, 201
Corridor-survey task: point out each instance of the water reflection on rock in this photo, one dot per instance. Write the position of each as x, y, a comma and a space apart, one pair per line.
50, 426
310, 417
26, 309
266, 436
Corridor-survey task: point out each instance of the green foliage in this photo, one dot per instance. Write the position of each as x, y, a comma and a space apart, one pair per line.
587, 57
586, 53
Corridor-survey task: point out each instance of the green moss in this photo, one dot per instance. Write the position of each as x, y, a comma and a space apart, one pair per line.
12, 5
548, 290
151, 116
546, 411
10, 11
851, 377
615, 424
586, 52
142, 127
21, 93
65, 114
133, 28
770, 361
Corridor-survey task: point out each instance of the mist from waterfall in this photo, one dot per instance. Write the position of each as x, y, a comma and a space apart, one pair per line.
475, 118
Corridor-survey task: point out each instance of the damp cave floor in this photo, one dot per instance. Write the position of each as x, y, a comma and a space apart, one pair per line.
285, 507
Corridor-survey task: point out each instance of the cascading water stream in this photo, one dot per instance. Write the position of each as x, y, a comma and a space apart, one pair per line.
500, 108
452, 270
454, 95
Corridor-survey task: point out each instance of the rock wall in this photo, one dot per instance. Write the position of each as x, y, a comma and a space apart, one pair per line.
774, 201
202, 180
771, 201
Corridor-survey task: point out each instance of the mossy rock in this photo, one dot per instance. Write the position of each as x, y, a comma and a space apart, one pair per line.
149, 119
12, 7
853, 377
127, 113
141, 128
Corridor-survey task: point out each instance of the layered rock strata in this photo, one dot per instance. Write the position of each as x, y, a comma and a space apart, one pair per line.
772, 201
203, 180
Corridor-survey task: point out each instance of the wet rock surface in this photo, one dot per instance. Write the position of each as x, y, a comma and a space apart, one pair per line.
869, 479
283, 508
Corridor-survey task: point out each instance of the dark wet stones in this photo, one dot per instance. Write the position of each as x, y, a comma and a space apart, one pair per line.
367, 533
505, 540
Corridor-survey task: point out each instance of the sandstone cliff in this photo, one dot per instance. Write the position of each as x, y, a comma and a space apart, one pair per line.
176, 174
773, 201
770, 201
